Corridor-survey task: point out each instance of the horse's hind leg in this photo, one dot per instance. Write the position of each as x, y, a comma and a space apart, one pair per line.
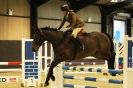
50, 72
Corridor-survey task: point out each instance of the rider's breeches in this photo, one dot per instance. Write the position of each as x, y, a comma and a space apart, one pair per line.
76, 31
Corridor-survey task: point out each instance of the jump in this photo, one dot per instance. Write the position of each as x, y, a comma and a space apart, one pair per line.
98, 45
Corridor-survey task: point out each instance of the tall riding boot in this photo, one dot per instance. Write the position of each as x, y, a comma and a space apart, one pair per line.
82, 46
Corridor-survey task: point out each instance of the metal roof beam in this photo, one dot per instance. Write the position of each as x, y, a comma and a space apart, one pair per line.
34, 15
79, 4
37, 3
112, 8
130, 1
129, 11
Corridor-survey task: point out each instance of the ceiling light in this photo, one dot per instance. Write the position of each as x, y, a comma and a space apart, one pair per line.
117, 0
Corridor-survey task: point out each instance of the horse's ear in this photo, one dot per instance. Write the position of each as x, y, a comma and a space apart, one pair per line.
49, 26
35, 28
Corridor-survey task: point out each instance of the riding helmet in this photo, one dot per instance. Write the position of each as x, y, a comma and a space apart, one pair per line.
65, 7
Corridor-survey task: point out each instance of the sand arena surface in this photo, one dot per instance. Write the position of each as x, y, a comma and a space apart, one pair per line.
77, 82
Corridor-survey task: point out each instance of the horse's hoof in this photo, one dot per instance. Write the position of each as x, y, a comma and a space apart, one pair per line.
46, 84
53, 78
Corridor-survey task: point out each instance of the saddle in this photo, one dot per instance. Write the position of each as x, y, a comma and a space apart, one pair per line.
79, 40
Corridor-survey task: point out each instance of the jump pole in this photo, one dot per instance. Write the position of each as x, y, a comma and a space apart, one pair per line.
14, 63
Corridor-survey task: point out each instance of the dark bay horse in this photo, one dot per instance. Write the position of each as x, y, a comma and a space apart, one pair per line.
97, 44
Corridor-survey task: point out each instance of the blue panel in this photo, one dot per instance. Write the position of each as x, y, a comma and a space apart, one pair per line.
35, 63
116, 81
33, 66
28, 70
26, 73
28, 63
117, 36
68, 77
66, 67
99, 70
68, 86
26, 66
90, 79
29, 54
35, 70
34, 73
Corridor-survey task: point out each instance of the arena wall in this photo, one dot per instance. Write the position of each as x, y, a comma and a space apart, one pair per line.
52, 15
16, 26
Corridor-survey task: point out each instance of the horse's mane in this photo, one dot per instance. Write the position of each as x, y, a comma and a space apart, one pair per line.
49, 29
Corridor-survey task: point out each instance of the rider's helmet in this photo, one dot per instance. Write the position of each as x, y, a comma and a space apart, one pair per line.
65, 7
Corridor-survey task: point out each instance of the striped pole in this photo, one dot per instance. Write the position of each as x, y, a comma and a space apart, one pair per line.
76, 86
10, 70
10, 63
111, 71
94, 79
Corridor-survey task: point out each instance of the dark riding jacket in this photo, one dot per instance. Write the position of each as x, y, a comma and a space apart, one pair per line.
73, 19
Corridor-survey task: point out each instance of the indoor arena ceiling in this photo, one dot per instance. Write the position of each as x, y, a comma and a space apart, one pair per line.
108, 2
103, 3
107, 8
125, 6
107, 5
89, 2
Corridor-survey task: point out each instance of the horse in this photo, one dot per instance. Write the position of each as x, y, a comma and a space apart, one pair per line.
65, 48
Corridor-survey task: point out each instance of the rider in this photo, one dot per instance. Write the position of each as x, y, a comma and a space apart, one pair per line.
75, 23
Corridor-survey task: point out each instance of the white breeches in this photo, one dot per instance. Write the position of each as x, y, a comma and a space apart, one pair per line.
76, 31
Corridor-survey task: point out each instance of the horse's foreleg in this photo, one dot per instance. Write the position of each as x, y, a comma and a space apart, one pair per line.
50, 72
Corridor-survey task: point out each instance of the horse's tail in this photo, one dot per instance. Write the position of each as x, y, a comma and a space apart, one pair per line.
111, 61
111, 41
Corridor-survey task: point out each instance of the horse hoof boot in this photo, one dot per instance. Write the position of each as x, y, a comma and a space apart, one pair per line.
53, 78
46, 84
